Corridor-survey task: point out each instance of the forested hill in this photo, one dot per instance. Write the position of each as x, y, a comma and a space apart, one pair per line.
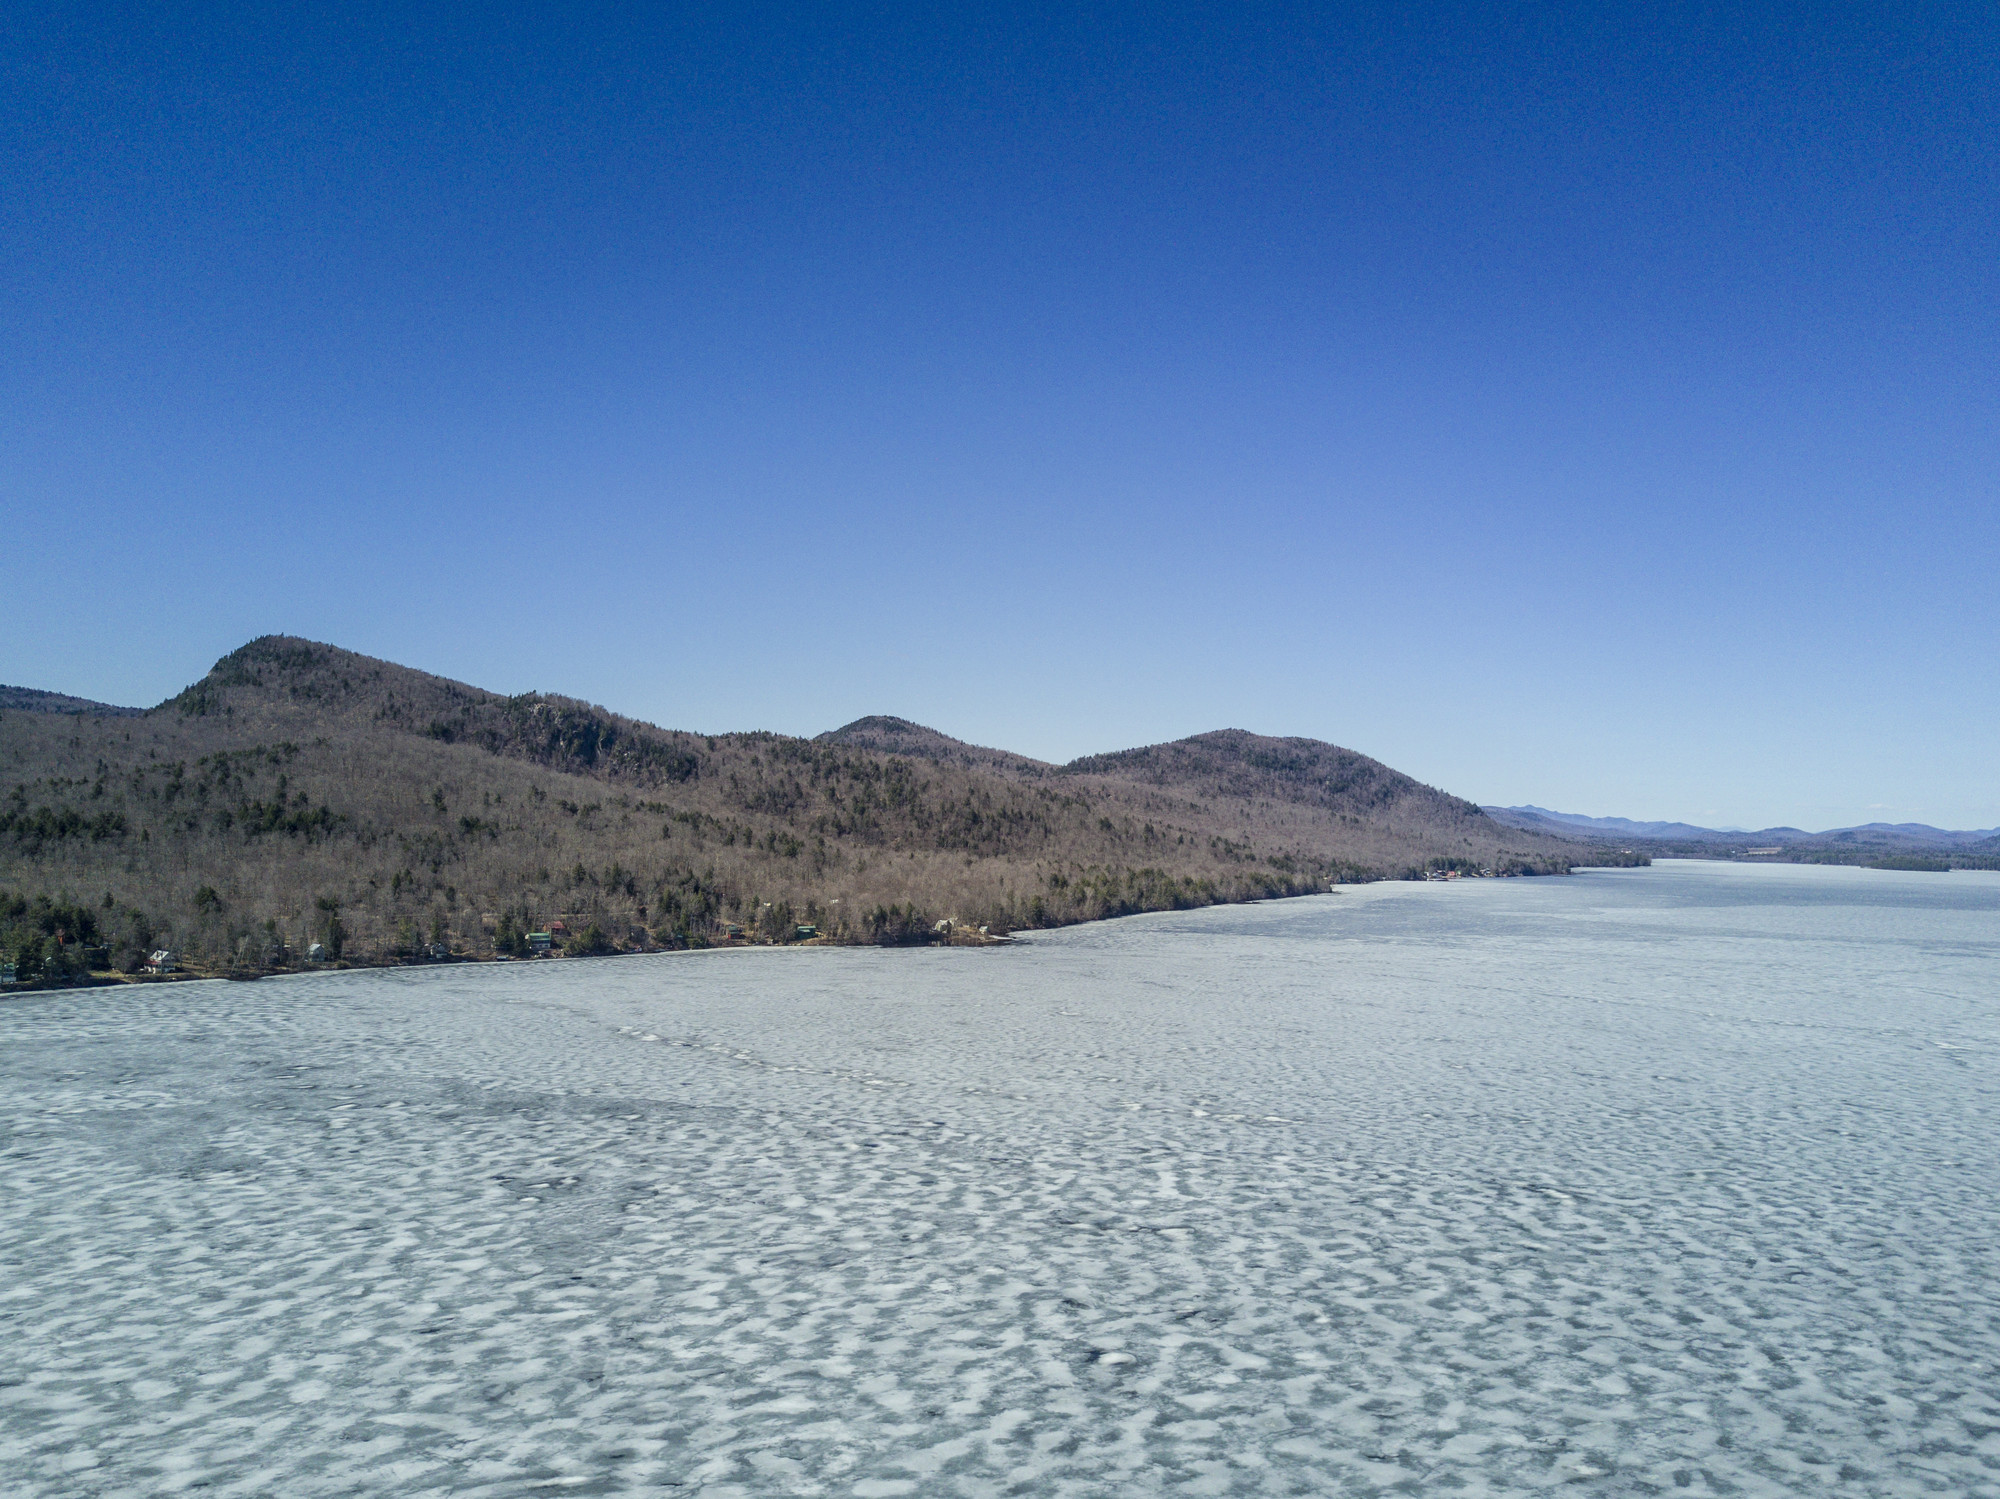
299, 792
1230, 764
33, 700
898, 736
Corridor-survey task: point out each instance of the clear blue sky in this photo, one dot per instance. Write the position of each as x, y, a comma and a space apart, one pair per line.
1565, 405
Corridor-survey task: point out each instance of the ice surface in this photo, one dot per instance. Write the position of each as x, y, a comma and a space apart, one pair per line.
1678, 1180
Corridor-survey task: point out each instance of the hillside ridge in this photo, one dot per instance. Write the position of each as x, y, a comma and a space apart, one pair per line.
35, 700
901, 736
298, 792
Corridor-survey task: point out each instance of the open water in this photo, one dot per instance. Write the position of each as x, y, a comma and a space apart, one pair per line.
1667, 1181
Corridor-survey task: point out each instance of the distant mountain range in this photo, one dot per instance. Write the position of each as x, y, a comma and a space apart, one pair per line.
1888, 837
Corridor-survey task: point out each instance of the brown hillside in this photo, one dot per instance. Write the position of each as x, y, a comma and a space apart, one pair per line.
34, 700
1230, 764
298, 792
898, 736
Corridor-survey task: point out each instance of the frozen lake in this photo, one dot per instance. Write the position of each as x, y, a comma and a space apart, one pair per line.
1679, 1180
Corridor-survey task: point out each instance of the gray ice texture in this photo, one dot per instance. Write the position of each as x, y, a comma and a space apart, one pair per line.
1677, 1180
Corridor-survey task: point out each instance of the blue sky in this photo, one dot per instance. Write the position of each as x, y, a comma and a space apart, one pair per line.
1573, 406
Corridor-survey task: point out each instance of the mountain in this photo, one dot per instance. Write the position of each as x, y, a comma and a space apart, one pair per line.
300, 792
1922, 832
1299, 782
1575, 823
34, 700
1882, 838
898, 736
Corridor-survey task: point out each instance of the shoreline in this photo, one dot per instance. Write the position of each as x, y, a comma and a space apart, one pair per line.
198, 973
